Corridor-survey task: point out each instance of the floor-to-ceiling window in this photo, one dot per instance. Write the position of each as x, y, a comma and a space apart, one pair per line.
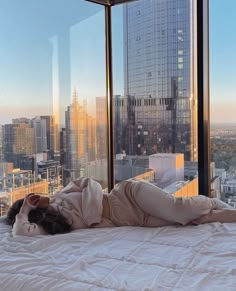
55, 92
155, 100
52, 95
223, 88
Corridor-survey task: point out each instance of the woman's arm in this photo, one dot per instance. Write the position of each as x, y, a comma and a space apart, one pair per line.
22, 226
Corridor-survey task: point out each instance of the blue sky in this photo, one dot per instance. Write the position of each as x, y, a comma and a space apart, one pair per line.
31, 47
52, 43
223, 60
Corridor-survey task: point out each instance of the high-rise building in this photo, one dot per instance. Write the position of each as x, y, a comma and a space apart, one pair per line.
101, 127
63, 146
24, 142
50, 134
8, 138
21, 120
17, 141
1, 156
158, 111
40, 131
92, 148
80, 138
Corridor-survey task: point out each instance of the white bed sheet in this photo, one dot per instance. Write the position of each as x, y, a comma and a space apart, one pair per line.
127, 258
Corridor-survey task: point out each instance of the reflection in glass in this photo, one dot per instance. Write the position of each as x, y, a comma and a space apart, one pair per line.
155, 103
53, 96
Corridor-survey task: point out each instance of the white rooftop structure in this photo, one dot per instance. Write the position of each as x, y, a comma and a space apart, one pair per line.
169, 168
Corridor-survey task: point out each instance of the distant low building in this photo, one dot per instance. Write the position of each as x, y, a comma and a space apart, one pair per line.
47, 168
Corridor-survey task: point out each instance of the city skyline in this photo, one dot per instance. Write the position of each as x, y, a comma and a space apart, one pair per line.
26, 82
55, 75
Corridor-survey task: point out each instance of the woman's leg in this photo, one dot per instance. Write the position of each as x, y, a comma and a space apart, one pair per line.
222, 212
156, 202
219, 204
224, 215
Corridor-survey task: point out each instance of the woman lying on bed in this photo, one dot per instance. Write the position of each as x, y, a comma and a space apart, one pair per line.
82, 204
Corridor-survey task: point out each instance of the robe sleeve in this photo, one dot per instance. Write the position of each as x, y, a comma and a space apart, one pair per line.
22, 226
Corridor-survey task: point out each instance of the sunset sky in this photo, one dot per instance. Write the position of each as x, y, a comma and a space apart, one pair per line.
31, 51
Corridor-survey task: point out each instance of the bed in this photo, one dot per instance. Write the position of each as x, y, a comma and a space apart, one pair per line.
127, 258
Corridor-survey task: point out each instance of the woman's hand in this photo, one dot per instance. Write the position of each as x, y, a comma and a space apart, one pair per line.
31, 201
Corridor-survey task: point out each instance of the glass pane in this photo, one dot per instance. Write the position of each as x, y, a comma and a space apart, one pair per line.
52, 94
155, 101
223, 87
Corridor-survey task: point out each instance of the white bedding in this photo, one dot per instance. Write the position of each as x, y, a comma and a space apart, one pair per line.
127, 258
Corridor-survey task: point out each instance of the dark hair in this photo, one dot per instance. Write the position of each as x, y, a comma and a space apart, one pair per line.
50, 220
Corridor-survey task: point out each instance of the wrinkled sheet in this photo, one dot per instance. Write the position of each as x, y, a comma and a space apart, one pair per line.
127, 258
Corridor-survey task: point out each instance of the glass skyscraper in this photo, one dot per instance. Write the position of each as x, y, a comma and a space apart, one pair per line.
157, 113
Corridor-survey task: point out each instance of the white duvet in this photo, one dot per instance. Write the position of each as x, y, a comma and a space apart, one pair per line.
127, 258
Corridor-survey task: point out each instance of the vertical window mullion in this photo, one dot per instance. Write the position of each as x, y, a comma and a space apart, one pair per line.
203, 97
